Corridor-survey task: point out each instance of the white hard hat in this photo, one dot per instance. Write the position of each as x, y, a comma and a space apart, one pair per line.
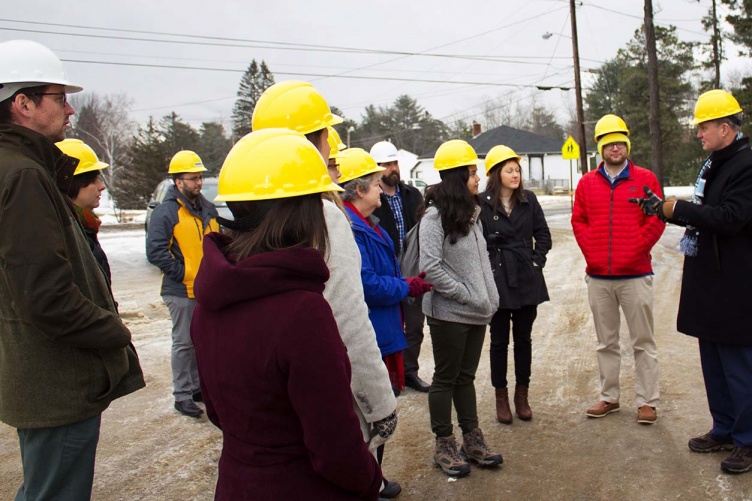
384, 152
24, 63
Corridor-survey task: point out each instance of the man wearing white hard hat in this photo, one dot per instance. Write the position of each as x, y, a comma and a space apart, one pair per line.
64, 353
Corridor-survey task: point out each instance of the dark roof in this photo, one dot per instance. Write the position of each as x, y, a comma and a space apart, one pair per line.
522, 142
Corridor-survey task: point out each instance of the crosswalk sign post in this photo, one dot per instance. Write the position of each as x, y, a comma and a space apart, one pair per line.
570, 151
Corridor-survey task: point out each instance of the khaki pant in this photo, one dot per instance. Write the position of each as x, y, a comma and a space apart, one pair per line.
635, 297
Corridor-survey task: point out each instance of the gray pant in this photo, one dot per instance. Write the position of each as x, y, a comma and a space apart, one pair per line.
184, 369
412, 311
58, 463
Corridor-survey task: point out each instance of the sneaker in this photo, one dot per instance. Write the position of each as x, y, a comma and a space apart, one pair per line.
475, 448
740, 460
646, 415
602, 409
706, 443
448, 458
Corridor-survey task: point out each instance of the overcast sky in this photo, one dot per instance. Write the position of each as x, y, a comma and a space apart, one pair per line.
494, 48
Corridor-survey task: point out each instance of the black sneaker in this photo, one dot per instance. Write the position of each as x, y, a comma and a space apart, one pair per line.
706, 443
188, 408
740, 460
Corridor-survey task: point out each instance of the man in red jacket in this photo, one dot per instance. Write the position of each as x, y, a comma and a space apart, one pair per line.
616, 238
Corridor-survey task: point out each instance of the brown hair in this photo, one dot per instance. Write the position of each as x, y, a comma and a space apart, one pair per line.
493, 185
284, 223
32, 93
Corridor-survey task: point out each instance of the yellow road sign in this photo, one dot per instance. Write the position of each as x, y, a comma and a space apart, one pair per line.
570, 150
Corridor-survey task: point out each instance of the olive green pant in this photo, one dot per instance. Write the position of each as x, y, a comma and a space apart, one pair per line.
456, 352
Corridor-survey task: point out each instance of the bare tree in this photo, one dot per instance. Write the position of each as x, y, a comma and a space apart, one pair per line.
103, 122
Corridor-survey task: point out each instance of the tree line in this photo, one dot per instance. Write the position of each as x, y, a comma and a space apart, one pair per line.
139, 154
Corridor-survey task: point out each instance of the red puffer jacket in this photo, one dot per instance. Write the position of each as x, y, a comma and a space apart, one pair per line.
614, 235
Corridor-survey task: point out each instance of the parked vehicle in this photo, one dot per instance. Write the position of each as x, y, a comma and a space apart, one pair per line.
209, 190
417, 183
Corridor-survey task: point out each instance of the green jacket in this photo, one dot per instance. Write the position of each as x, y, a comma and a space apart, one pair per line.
64, 353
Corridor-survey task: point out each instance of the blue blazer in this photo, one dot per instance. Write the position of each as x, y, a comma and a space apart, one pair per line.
383, 284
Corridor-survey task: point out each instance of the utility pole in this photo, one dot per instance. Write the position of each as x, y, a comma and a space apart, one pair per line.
656, 153
584, 167
717, 48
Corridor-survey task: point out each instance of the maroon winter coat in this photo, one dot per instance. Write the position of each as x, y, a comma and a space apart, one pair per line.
275, 378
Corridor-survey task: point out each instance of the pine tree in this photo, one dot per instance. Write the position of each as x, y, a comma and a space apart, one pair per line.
255, 81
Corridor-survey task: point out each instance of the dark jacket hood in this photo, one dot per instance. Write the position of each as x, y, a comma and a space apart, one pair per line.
221, 282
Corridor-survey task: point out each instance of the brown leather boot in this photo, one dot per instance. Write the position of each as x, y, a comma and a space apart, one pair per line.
523, 409
503, 412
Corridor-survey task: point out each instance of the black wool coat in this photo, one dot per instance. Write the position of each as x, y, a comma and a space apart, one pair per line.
714, 303
517, 247
411, 201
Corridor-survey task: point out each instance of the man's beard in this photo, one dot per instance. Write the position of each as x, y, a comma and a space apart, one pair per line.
392, 180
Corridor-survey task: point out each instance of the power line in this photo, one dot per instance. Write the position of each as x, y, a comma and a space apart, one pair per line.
229, 70
290, 46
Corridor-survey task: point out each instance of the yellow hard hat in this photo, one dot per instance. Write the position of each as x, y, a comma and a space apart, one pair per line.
454, 153
715, 104
335, 143
355, 163
498, 154
186, 161
608, 124
87, 159
270, 164
614, 137
294, 105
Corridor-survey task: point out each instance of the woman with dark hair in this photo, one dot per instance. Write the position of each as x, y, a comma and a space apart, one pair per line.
518, 240
84, 188
275, 375
458, 309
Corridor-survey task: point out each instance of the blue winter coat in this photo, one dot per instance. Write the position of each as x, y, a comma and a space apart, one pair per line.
383, 284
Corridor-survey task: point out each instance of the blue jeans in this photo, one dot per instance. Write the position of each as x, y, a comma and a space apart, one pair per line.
58, 463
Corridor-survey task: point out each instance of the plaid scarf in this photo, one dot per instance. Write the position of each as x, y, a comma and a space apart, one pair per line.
88, 218
688, 242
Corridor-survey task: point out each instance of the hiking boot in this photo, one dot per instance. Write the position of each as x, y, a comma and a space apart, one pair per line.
646, 415
503, 412
740, 460
706, 443
475, 448
448, 458
521, 406
602, 409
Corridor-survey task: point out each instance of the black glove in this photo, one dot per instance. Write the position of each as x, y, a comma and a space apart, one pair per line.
651, 205
382, 431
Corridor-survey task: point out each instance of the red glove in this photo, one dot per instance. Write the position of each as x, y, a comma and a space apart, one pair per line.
418, 286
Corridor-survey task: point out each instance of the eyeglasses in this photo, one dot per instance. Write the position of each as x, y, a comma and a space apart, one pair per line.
63, 95
194, 179
333, 167
614, 145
